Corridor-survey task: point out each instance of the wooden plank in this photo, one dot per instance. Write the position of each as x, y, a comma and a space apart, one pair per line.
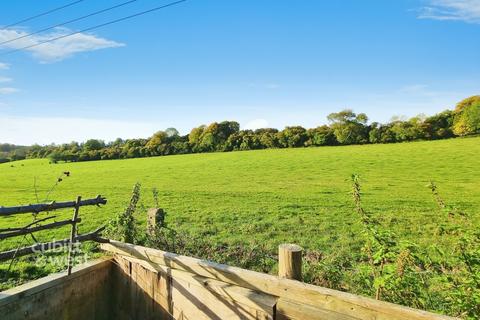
41, 247
81, 295
324, 298
23, 231
140, 293
192, 301
41, 207
120, 290
162, 295
291, 310
196, 297
35, 286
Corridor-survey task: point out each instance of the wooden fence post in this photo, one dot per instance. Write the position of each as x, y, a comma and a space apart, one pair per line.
73, 234
155, 217
290, 261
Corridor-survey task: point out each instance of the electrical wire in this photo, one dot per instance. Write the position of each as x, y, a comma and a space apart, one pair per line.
95, 27
68, 22
42, 14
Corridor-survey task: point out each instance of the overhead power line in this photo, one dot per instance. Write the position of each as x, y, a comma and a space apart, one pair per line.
68, 22
96, 27
42, 14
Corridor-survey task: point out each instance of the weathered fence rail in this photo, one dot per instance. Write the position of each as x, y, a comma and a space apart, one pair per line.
35, 226
42, 247
29, 230
42, 207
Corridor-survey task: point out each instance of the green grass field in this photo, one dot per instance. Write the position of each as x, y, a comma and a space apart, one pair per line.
275, 196
272, 196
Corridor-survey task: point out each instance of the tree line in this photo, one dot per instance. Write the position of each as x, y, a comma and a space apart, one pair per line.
11, 152
345, 128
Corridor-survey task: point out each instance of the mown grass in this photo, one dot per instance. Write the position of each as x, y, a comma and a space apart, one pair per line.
272, 196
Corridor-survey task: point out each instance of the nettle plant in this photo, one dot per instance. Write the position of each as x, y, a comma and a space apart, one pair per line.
381, 244
465, 294
123, 226
452, 215
392, 264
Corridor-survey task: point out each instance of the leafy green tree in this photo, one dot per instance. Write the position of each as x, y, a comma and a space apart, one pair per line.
439, 126
349, 127
55, 157
215, 136
320, 136
194, 137
380, 133
467, 117
234, 141
346, 127
117, 143
171, 132
292, 137
268, 137
158, 144
93, 144
406, 130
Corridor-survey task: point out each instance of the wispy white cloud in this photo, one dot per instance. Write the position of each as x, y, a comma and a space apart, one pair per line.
3, 66
56, 50
457, 10
5, 79
8, 90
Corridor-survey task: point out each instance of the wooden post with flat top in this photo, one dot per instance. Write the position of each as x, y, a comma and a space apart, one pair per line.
290, 261
155, 219
73, 234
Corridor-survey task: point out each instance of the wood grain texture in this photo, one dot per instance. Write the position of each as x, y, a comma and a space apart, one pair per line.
41, 247
290, 261
42, 207
81, 295
322, 298
183, 295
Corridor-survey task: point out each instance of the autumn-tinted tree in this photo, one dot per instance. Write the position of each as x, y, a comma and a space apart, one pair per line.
467, 117
194, 137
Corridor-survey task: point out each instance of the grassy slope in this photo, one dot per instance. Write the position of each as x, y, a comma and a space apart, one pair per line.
271, 196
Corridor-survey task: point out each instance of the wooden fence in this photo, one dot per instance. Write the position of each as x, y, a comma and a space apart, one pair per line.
145, 283
35, 226
154, 282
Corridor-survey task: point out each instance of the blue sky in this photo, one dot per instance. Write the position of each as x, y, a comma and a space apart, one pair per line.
260, 62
